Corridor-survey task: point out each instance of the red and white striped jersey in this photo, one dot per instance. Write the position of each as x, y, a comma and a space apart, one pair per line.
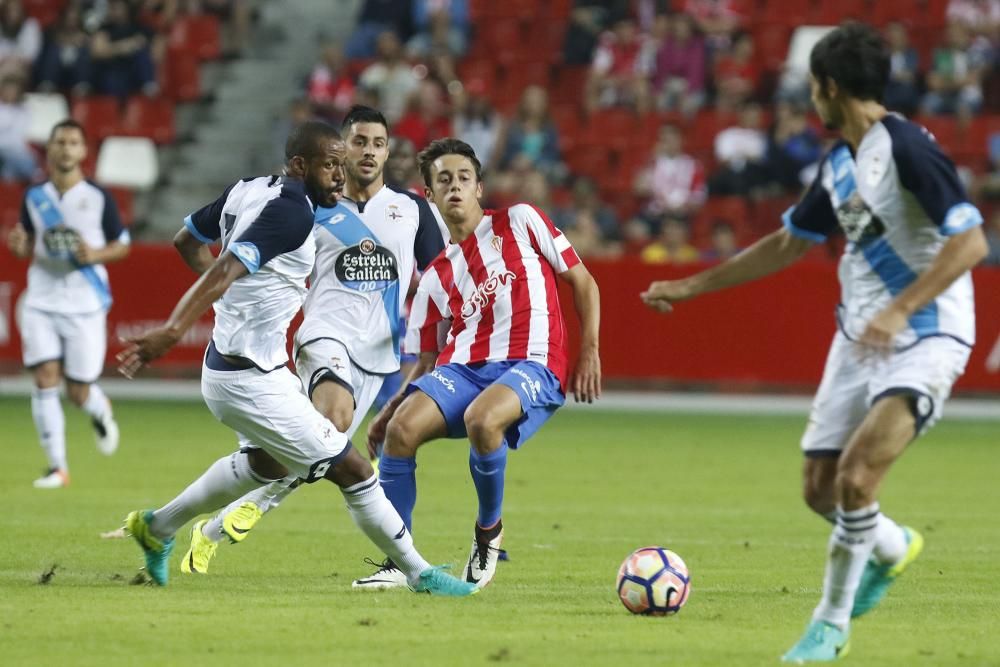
498, 289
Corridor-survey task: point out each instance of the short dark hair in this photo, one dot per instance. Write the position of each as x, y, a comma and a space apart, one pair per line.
359, 113
70, 124
855, 56
447, 146
305, 139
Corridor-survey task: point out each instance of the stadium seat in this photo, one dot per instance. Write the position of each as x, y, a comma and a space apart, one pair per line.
483, 71
44, 111
11, 196
149, 117
181, 78
832, 12
128, 162
197, 34
100, 115
771, 45
46, 12
124, 200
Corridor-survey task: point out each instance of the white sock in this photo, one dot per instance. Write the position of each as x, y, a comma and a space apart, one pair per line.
266, 498
228, 478
46, 410
379, 520
850, 546
97, 404
890, 541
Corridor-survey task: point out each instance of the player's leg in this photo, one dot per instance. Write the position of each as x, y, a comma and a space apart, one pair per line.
507, 412
85, 340
42, 354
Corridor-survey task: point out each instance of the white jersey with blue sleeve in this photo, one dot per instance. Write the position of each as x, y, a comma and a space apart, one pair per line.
897, 202
267, 224
366, 253
57, 283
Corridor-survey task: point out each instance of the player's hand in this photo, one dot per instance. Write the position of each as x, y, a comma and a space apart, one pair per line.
586, 382
84, 254
18, 241
378, 426
661, 294
881, 332
140, 350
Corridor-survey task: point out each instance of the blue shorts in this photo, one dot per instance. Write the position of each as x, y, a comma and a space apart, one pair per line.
454, 386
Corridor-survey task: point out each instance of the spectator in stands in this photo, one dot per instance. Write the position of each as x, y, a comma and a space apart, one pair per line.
20, 39
390, 77
736, 74
475, 121
440, 68
741, 151
718, 20
585, 209
723, 242
401, 167
299, 111
679, 76
235, 17
331, 88
64, 63
673, 185
530, 138
671, 246
954, 81
620, 72
426, 118
902, 93
375, 18
792, 145
587, 20
17, 162
123, 61
440, 25
993, 238
981, 17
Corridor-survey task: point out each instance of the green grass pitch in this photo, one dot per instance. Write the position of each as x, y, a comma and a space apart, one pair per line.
590, 487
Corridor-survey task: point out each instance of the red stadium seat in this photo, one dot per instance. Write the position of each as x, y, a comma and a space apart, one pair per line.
149, 117
771, 45
705, 126
100, 115
124, 199
507, 39
181, 78
789, 13
569, 85
832, 12
46, 12
11, 195
197, 34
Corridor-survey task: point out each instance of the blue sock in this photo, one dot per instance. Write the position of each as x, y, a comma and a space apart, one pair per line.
488, 475
399, 481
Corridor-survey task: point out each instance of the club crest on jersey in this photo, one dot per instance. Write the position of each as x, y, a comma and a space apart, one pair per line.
392, 213
485, 291
497, 243
860, 224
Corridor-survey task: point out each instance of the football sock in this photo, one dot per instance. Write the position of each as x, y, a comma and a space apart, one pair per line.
47, 412
398, 478
97, 404
890, 541
266, 497
488, 476
376, 517
850, 546
226, 479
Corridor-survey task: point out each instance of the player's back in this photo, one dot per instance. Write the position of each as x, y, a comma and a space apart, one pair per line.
365, 256
267, 224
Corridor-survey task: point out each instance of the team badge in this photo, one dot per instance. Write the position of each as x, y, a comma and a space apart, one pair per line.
497, 243
392, 213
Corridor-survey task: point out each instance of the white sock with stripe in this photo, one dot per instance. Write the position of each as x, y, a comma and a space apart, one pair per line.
890, 541
851, 544
97, 404
50, 423
266, 498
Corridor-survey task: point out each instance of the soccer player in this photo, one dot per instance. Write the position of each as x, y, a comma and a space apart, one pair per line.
257, 285
366, 248
905, 321
69, 228
503, 369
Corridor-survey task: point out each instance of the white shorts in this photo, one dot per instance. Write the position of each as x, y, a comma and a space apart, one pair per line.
327, 359
851, 385
270, 412
80, 341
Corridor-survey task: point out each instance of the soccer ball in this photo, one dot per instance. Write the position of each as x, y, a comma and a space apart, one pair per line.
653, 581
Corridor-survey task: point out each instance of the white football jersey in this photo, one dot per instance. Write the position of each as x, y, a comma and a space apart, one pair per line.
897, 201
365, 257
267, 224
56, 283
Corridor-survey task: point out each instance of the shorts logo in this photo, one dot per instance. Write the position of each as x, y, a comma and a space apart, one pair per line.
481, 297
529, 387
924, 406
447, 382
335, 364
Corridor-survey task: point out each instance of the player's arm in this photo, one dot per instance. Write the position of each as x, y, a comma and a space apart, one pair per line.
154, 343
377, 427
586, 383
21, 238
193, 251
772, 253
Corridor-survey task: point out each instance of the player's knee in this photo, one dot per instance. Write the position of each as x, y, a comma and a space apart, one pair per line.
47, 375
818, 498
485, 431
352, 469
341, 418
264, 465
855, 485
77, 393
400, 440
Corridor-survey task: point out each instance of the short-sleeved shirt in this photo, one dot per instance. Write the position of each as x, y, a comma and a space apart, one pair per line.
897, 201
56, 283
267, 224
497, 289
365, 257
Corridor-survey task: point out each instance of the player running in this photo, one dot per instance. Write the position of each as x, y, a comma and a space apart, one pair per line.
257, 285
366, 248
906, 321
503, 369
